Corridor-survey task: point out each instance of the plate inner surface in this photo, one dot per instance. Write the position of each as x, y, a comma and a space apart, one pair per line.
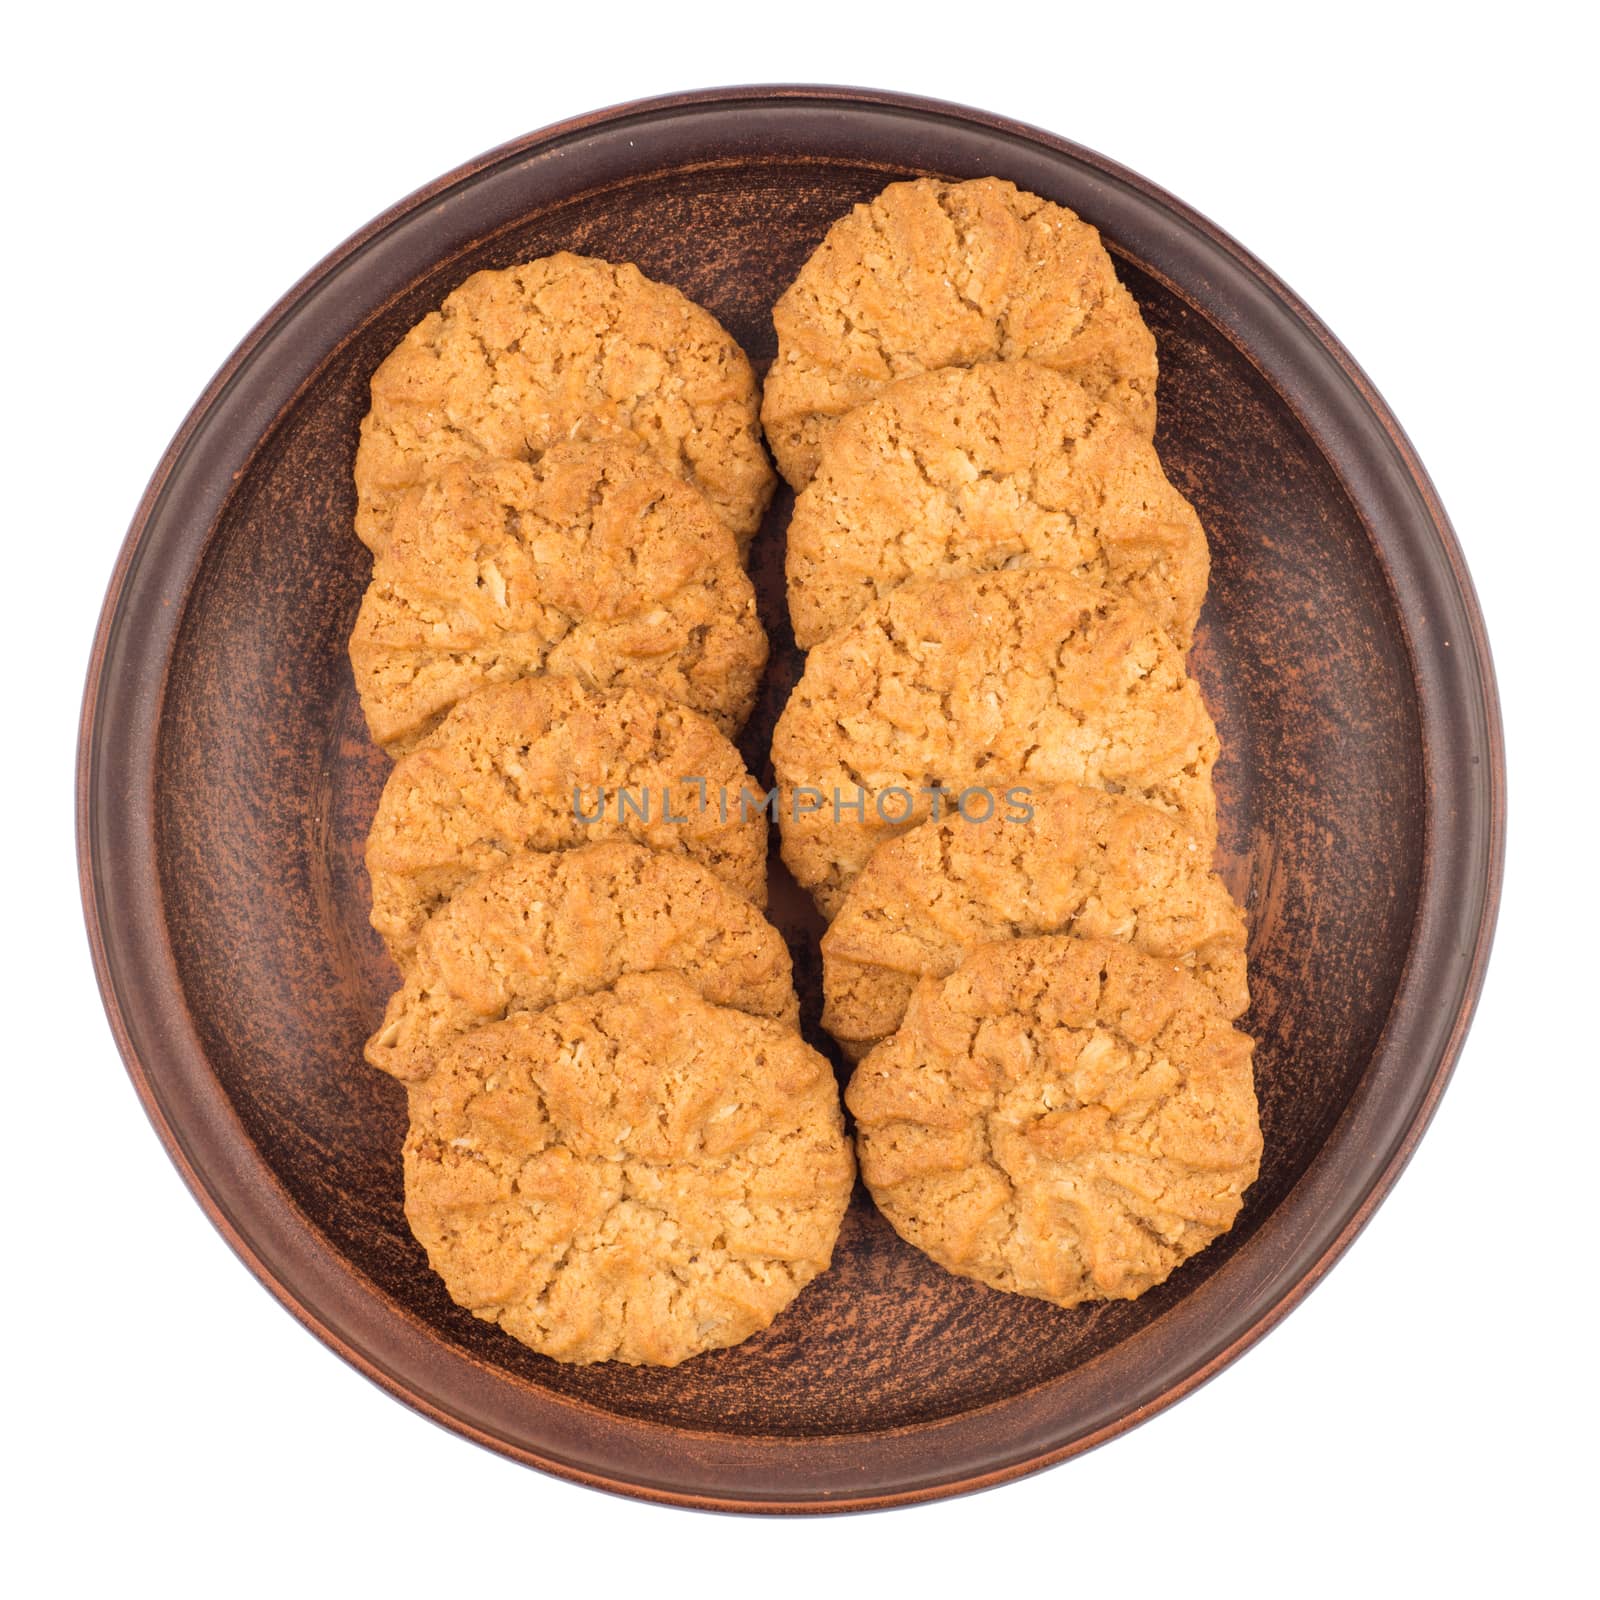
266, 782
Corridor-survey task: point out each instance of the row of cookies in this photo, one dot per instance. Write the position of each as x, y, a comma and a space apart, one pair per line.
620, 1147
995, 772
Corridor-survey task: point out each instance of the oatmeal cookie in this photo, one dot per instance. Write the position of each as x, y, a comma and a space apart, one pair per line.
635, 1175
1084, 862
592, 564
548, 926
1063, 1118
994, 683
516, 361
934, 274
970, 469
548, 764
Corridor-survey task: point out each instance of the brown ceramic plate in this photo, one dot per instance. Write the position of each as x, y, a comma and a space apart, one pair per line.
226, 783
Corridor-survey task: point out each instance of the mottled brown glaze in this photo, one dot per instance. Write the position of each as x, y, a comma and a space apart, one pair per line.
226, 784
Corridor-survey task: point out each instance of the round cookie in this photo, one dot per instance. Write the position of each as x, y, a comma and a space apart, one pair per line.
1062, 1118
551, 925
998, 683
971, 469
1085, 862
933, 274
548, 763
632, 1176
519, 360
593, 564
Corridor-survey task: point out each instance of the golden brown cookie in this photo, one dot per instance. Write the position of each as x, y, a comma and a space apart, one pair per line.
548, 926
592, 564
632, 1176
934, 274
970, 469
547, 764
998, 683
1063, 1118
516, 361
1085, 862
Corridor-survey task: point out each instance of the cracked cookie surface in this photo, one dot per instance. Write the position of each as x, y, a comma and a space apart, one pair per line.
592, 564
518, 360
548, 926
548, 763
996, 681
934, 274
971, 469
1062, 1118
635, 1175
1086, 863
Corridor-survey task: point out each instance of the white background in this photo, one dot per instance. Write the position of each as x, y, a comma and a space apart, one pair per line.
1424, 180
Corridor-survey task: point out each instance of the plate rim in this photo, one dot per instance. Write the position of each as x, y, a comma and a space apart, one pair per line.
1483, 831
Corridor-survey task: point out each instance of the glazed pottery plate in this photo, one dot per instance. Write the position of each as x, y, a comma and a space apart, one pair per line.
226, 785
